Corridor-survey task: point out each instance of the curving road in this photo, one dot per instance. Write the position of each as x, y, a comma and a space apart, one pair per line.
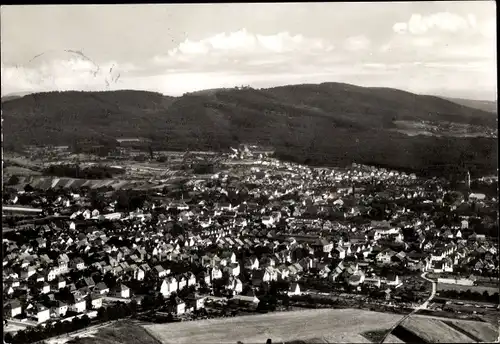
422, 306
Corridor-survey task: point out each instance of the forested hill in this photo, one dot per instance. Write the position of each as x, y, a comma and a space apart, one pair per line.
326, 123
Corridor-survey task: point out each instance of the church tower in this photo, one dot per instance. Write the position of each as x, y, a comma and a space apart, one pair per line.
467, 185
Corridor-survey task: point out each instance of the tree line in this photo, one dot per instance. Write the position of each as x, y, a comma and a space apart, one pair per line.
74, 171
52, 329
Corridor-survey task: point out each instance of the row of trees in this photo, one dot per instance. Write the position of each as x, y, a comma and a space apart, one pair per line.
39, 333
74, 171
470, 295
34, 334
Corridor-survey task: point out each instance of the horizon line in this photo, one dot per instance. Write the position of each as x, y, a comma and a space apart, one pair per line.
26, 93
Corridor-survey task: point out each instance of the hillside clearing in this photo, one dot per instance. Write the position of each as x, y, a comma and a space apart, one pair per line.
483, 331
331, 325
432, 330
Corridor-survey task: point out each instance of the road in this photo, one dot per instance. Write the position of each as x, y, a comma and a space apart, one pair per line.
433, 293
422, 306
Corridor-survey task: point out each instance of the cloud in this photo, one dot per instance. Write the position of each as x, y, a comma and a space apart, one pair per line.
443, 37
242, 48
244, 42
442, 21
414, 62
357, 43
62, 71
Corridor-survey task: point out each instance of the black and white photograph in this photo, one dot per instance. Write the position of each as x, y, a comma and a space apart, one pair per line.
250, 173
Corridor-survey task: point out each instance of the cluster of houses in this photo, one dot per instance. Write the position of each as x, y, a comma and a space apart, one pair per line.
308, 226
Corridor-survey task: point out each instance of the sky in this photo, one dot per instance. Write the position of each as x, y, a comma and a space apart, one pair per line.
443, 48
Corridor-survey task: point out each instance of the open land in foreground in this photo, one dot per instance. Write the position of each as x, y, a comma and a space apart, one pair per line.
327, 325
122, 332
322, 326
440, 330
305, 326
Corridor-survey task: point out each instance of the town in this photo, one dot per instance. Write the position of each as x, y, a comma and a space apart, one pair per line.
252, 235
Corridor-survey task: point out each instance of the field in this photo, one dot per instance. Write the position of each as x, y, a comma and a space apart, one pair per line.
376, 337
393, 339
19, 171
433, 330
482, 331
463, 288
330, 325
120, 333
55, 182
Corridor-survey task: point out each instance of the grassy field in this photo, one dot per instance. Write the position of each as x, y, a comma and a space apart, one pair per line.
472, 288
47, 182
121, 333
393, 339
433, 330
482, 331
325, 325
20, 171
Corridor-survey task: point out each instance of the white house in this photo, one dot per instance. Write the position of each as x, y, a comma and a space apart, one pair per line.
191, 279
14, 307
182, 282
294, 289
199, 302
41, 313
96, 301
252, 263
46, 288
168, 286
79, 306
267, 220
233, 269
61, 283
160, 271
87, 214
123, 291
59, 309
52, 274
139, 274
385, 256
216, 273
392, 279
237, 286
180, 306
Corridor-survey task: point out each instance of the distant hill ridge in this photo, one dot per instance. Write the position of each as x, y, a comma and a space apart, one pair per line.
329, 123
485, 105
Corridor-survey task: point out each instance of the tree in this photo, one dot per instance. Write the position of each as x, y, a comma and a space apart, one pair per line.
85, 320
102, 314
286, 300
21, 337
133, 307
76, 324
14, 180
58, 328
8, 338
159, 300
148, 302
